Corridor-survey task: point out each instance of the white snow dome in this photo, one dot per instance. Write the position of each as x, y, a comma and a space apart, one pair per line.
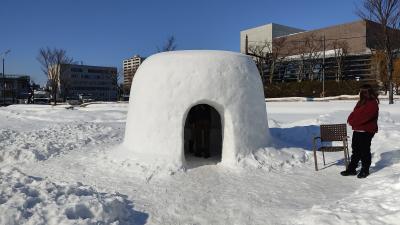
171, 90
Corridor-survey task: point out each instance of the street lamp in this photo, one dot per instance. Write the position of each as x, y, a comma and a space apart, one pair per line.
4, 77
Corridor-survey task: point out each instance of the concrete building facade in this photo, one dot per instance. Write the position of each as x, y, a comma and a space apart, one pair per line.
130, 66
265, 33
97, 82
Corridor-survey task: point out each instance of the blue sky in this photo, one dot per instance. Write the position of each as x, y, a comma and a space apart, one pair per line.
104, 32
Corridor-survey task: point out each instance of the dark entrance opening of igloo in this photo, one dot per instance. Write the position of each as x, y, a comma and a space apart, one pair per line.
203, 136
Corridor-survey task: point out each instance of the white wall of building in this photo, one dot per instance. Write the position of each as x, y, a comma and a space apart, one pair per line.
265, 33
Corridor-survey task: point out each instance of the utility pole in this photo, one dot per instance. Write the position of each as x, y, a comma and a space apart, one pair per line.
246, 46
4, 86
323, 69
4, 77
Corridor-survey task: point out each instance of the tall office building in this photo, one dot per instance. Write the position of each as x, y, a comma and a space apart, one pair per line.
130, 67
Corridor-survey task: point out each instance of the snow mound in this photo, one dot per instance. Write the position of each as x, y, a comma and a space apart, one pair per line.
168, 85
272, 159
42, 144
31, 200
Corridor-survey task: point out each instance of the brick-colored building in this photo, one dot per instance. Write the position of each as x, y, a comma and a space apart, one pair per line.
354, 42
361, 36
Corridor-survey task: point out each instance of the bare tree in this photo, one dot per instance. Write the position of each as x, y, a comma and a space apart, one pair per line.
387, 14
117, 77
277, 55
262, 56
51, 61
313, 46
340, 50
379, 63
169, 45
299, 48
396, 74
64, 86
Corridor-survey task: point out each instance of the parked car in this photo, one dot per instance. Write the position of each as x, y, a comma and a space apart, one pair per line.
73, 101
41, 101
85, 98
41, 97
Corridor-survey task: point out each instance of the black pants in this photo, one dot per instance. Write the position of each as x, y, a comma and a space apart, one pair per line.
361, 145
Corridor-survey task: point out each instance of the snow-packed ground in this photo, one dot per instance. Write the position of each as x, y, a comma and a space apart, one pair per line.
63, 166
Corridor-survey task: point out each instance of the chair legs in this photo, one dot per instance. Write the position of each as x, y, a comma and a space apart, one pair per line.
346, 157
315, 160
315, 152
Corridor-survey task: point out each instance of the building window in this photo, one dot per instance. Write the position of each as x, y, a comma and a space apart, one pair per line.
76, 69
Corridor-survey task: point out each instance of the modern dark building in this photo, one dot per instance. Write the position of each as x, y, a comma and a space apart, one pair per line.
14, 88
95, 82
348, 50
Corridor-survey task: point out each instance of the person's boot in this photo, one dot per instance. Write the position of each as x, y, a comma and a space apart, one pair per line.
348, 173
363, 174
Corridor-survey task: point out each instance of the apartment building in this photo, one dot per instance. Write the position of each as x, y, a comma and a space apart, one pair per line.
130, 66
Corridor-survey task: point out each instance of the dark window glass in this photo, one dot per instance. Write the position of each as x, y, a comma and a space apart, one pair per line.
76, 69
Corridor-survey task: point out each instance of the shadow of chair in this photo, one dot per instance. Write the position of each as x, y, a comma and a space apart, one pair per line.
330, 133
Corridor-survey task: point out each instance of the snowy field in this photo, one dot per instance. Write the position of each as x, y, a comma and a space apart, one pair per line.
61, 166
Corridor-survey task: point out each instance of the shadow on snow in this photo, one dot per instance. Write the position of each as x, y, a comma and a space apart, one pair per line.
295, 137
387, 159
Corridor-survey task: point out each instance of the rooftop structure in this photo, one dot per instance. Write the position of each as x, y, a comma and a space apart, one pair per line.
264, 33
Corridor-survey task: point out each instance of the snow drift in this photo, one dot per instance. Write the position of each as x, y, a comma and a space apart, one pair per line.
31, 200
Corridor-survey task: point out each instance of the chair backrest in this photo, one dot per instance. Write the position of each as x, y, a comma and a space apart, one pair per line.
333, 132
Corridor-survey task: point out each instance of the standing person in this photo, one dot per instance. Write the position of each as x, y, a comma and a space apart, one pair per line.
364, 121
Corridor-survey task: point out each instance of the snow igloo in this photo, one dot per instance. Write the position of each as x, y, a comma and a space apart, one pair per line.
174, 93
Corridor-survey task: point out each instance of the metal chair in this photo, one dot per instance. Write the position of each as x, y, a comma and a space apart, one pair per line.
331, 133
